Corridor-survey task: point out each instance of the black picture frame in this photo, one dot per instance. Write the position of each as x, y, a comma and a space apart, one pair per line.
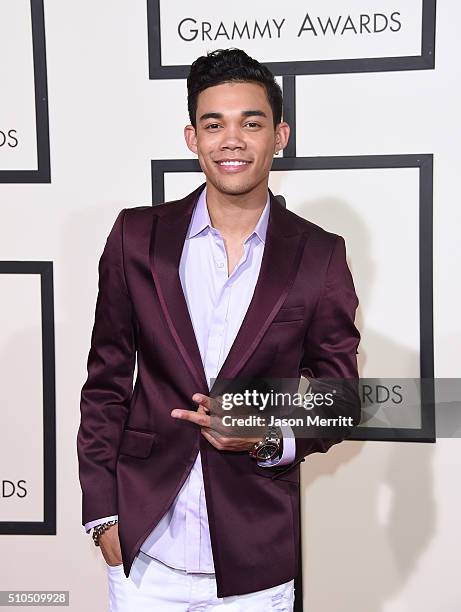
48, 525
424, 61
424, 163
43, 172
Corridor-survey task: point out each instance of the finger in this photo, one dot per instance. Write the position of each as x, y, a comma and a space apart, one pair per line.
223, 441
192, 416
211, 439
203, 400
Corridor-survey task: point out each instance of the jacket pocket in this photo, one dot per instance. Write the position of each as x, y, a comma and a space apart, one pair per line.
137, 443
294, 313
289, 472
286, 472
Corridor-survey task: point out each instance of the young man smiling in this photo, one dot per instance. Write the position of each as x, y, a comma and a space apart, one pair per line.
224, 283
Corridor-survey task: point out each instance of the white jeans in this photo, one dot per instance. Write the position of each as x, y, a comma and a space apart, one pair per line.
153, 586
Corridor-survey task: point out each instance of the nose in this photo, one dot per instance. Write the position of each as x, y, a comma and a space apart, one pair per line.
232, 139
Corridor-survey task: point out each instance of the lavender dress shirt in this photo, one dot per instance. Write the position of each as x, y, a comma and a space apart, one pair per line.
217, 304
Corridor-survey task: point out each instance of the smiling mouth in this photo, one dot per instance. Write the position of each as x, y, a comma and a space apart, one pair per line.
232, 163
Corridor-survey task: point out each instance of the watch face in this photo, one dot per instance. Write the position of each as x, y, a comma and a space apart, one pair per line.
268, 451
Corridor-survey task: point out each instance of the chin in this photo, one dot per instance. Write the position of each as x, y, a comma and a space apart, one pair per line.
234, 188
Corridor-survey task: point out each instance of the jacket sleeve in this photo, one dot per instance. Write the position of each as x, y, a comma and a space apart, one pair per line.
331, 341
89, 526
106, 394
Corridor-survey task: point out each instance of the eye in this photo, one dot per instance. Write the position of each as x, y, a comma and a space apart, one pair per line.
253, 124
212, 126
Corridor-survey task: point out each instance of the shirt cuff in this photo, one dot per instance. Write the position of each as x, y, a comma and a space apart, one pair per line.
91, 524
289, 450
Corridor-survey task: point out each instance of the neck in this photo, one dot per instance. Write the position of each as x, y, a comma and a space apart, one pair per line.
236, 216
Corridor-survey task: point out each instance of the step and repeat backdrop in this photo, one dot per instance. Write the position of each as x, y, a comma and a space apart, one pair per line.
92, 108
27, 435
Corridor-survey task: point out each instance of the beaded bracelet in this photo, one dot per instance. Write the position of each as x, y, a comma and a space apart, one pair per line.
99, 529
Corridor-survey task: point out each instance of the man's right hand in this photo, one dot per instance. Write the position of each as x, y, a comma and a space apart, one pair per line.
109, 544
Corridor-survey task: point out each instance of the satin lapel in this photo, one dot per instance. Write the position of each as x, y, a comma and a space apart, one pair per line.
285, 242
167, 240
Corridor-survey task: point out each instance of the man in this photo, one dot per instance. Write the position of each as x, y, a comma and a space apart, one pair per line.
224, 283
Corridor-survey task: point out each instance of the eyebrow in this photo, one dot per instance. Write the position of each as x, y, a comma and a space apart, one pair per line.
247, 113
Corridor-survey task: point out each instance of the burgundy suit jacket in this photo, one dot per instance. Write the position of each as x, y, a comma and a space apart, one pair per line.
134, 457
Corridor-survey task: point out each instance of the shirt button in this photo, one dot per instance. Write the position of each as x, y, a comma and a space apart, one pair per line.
220, 264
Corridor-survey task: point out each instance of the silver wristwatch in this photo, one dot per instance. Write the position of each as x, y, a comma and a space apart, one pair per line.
269, 447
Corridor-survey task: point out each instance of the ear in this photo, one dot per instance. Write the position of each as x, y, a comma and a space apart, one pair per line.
282, 134
191, 138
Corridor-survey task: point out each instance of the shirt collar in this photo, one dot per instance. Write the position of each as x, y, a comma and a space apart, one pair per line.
201, 219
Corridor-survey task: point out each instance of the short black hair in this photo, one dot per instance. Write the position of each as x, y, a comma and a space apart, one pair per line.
226, 66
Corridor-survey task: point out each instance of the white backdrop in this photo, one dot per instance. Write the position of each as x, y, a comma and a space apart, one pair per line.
380, 520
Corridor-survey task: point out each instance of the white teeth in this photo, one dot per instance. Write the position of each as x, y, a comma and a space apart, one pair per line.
232, 163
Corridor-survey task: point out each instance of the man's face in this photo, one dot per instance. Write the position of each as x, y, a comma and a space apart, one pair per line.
235, 138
